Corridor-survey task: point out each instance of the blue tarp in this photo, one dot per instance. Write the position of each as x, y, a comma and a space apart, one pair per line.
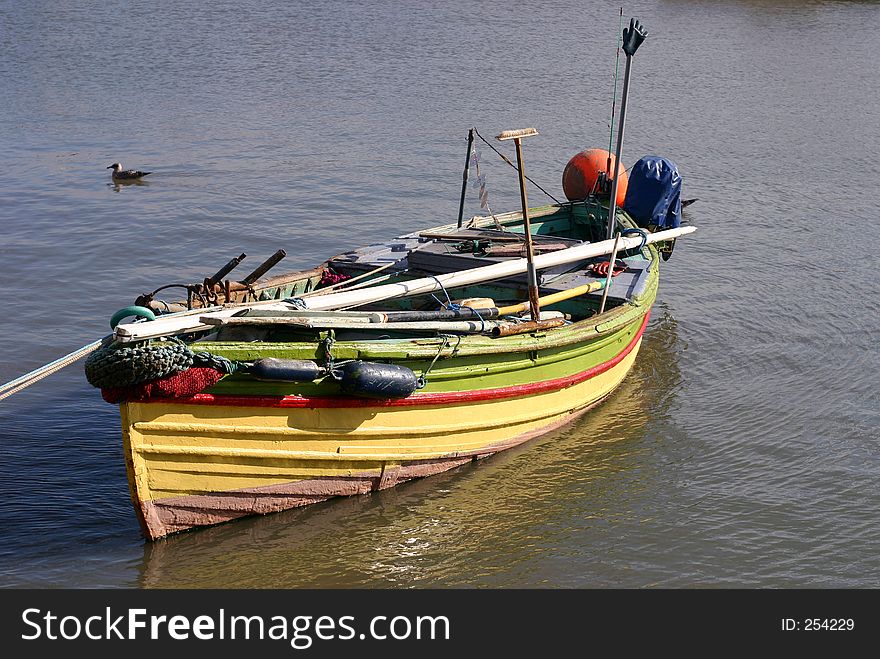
653, 194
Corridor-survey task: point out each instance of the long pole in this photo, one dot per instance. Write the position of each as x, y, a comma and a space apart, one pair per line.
465, 176
612, 203
632, 39
534, 304
610, 273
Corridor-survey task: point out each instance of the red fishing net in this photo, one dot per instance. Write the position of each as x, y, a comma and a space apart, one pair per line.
181, 384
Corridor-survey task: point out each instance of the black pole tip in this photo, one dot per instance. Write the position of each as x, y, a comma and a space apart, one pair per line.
633, 36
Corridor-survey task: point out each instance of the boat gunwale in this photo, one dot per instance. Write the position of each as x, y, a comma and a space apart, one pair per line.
416, 399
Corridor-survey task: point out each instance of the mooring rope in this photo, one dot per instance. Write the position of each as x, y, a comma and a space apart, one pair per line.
422, 380
26, 380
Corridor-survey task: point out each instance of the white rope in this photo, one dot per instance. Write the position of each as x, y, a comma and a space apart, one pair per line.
26, 380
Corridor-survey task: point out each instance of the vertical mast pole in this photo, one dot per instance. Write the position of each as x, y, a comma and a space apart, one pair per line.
633, 36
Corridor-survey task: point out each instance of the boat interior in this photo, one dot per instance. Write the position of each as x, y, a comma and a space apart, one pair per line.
482, 241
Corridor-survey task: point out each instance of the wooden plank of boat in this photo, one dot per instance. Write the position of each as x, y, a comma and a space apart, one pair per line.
176, 324
498, 236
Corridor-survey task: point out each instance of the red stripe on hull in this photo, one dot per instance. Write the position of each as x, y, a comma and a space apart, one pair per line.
440, 398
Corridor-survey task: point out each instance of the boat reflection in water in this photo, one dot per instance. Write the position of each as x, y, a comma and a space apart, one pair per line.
499, 518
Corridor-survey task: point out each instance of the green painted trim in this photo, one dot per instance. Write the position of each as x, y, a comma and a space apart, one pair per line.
469, 372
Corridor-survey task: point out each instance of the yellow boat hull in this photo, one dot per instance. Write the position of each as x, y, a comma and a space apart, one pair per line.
202, 462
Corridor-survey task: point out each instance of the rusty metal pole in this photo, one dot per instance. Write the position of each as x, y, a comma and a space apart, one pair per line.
516, 136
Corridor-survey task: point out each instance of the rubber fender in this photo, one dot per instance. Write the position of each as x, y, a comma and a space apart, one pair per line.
285, 370
372, 380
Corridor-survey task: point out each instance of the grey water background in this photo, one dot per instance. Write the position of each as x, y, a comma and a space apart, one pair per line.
742, 450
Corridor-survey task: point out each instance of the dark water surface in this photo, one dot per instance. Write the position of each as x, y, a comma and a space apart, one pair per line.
741, 451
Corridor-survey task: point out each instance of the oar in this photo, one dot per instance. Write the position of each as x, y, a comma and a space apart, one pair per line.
468, 326
175, 324
553, 298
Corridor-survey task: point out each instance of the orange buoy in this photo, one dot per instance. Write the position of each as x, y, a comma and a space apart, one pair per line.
581, 172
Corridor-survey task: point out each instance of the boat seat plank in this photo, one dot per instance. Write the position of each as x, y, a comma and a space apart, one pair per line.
624, 286
373, 256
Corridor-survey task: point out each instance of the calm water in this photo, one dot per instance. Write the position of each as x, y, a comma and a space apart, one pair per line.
741, 451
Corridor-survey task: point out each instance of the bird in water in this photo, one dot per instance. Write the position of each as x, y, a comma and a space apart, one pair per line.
120, 174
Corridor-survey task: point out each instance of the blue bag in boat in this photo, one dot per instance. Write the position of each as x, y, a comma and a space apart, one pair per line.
653, 194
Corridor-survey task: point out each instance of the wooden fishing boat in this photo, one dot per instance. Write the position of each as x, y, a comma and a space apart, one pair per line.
391, 362
258, 441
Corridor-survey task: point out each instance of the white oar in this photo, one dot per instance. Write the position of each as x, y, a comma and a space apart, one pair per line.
365, 324
172, 324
